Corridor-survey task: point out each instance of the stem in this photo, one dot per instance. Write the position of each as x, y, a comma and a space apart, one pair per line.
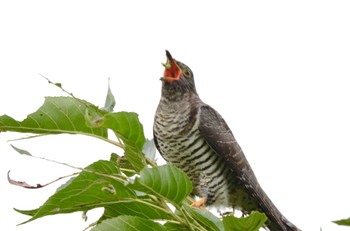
185, 216
195, 222
128, 170
120, 178
91, 225
116, 143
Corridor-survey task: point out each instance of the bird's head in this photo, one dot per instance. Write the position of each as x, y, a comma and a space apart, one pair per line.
178, 78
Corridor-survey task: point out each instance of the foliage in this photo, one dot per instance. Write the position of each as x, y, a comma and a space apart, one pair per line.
135, 193
345, 222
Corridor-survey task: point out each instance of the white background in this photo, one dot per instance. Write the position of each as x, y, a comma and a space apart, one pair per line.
278, 72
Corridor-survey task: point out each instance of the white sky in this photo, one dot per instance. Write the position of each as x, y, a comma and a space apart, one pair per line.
278, 73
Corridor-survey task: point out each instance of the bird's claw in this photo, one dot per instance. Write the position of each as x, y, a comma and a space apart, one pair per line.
199, 203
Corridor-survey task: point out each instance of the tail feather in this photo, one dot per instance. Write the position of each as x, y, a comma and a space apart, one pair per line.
281, 224
276, 220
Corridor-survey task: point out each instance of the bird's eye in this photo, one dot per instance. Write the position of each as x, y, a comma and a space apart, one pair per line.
186, 72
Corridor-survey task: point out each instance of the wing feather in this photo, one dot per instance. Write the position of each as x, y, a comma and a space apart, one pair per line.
219, 137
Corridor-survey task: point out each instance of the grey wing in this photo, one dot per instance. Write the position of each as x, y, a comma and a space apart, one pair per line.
219, 137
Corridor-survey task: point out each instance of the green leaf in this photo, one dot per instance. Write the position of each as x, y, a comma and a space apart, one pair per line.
135, 157
128, 128
205, 218
136, 207
165, 181
126, 125
110, 100
114, 157
128, 223
31, 212
251, 223
125, 166
345, 222
169, 226
94, 187
56, 115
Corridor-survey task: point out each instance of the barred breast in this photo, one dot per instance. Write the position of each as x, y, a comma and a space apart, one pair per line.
179, 142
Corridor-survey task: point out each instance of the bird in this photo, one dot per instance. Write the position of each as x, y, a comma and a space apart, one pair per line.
194, 137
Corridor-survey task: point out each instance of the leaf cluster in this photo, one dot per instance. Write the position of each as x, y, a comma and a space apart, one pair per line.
134, 192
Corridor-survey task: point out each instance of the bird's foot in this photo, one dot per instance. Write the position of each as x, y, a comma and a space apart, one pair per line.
199, 203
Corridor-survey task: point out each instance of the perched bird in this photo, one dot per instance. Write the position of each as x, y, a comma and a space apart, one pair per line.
195, 138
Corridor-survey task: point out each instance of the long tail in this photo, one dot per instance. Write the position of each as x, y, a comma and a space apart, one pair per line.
276, 220
281, 224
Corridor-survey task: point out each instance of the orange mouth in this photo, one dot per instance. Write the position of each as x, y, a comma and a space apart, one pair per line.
172, 71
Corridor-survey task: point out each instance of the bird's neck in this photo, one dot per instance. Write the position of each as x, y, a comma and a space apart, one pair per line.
179, 102
175, 92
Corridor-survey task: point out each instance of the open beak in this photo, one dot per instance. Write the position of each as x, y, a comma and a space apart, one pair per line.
172, 71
